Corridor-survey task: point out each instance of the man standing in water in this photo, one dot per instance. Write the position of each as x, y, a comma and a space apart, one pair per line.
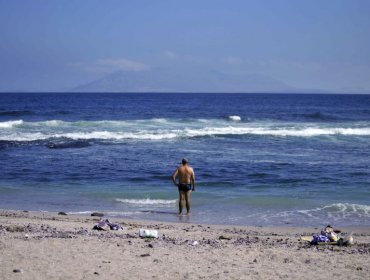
186, 184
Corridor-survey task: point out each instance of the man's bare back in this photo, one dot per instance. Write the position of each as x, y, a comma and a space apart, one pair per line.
185, 174
186, 184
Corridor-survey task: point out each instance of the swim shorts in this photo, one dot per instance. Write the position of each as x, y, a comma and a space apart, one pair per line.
184, 187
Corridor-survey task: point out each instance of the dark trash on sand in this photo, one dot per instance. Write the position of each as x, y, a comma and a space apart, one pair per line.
97, 214
104, 224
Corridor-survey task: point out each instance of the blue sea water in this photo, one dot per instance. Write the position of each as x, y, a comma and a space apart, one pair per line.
259, 159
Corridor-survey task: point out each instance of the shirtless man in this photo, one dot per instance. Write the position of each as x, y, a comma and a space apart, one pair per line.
186, 184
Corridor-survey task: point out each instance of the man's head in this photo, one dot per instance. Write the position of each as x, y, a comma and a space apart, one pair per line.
185, 161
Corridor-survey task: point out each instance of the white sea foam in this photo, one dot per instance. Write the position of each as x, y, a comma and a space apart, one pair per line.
82, 212
343, 209
349, 208
325, 214
10, 124
162, 129
171, 134
107, 135
235, 118
147, 201
53, 123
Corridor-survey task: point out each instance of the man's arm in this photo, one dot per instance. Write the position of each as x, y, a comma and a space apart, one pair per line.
174, 175
192, 179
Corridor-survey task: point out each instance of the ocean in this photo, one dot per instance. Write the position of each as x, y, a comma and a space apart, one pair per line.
259, 159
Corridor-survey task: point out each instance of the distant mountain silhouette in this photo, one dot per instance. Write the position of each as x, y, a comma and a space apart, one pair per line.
196, 80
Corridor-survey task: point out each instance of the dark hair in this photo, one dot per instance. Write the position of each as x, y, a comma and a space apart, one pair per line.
184, 161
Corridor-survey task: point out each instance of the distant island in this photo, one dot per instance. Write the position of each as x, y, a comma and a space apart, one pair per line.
198, 80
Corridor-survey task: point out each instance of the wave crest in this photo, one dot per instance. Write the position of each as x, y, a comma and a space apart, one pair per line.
162, 129
147, 201
235, 118
10, 124
341, 210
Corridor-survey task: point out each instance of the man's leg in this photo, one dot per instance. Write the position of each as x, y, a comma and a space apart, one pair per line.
187, 198
181, 201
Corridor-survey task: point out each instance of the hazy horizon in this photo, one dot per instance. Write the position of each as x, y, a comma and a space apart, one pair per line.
207, 46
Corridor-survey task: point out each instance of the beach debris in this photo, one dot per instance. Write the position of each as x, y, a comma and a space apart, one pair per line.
15, 228
96, 273
145, 255
62, 213
348, 240
115, 227
97, 214
18, 270
104, 224
148, 233
329, 236
225, 237
195, 243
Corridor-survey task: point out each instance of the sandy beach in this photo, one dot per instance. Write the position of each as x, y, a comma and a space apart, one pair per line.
37, 245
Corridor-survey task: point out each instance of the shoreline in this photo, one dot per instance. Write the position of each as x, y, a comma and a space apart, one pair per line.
183, 219
45, 245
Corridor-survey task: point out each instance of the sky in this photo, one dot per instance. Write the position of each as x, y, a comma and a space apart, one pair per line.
48, 45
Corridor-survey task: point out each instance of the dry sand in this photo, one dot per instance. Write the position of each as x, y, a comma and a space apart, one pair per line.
36, 245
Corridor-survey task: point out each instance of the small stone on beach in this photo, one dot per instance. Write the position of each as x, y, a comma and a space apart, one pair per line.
17, 270
97, 214
15, 228
224, 237
145, 255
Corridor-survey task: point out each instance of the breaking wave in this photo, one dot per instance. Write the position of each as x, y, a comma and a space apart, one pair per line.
338, 213
10, 124
162, 129
235, 118
147, 201
340, 209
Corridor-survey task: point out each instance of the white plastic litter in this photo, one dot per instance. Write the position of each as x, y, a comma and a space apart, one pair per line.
148, 233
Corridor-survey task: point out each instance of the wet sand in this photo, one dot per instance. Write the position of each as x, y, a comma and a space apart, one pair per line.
37, 245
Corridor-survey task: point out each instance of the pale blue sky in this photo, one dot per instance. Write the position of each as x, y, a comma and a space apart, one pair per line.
58, 44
